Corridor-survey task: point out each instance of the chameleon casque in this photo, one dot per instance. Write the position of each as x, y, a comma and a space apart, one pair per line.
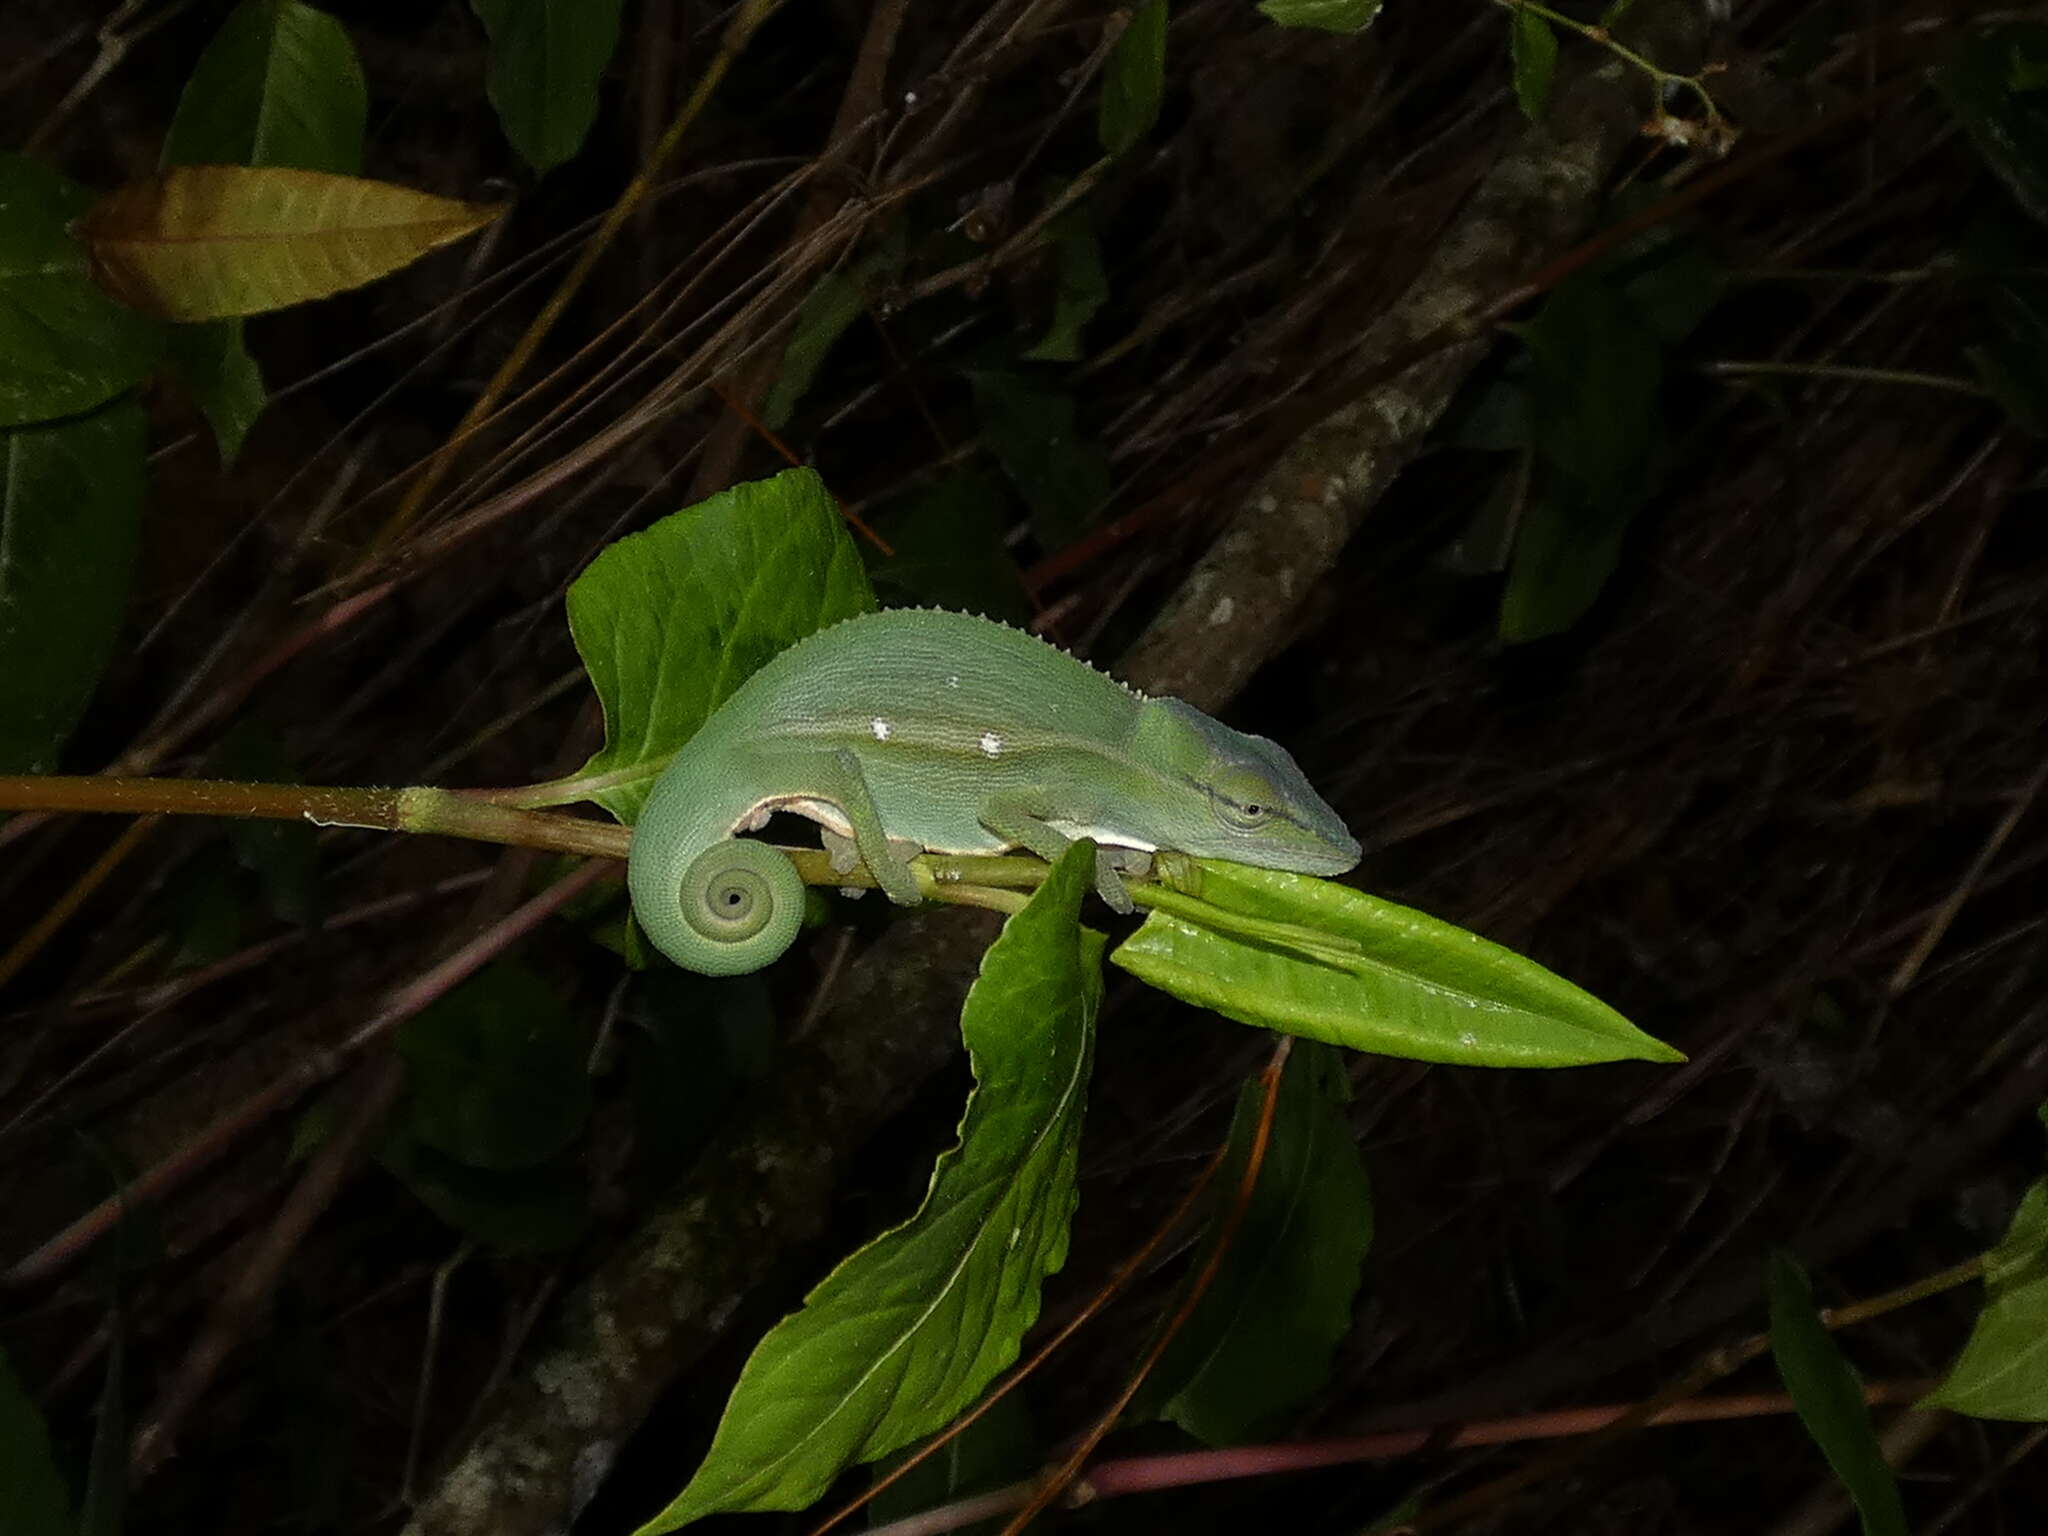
916, 730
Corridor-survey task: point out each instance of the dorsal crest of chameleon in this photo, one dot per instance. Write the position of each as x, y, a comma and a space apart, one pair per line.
915, 730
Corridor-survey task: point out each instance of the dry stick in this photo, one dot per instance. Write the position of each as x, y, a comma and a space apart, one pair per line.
738, 33
1293, 420
1710, 1368
399, 1005
1124, 1274
1187, 1469
1945, 914
1055, 1483
25, 948
859, 107
240, 1304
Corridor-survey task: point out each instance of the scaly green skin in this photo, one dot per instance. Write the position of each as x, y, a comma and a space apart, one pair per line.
943, 733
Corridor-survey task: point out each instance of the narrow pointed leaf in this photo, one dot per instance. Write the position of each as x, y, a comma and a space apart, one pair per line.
65, 347
70, 520
1386, 979
1133, 81
279, 84
547, 57
1830, 1400
202, 242
1261, 1338
2002, 1372
1532, 56
908, 1332
670, 621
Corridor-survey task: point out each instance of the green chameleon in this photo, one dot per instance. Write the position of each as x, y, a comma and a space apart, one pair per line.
915, 730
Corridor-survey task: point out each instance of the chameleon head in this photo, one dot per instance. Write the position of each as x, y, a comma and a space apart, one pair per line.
1253, 804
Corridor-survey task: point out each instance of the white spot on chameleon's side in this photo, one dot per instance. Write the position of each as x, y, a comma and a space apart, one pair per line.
1221, 613
991, 744
953, 681
880, 727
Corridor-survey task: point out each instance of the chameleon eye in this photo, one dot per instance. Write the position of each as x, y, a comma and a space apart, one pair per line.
1243, 803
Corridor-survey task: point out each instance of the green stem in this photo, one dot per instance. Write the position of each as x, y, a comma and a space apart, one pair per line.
421, 810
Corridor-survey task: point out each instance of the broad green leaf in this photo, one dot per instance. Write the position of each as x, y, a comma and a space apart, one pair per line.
1084, 287
278, 85
203, 242
2003, 256
2002, 1372
1992, 82
906, 1333
547, 58
1373, 976
65, 347
1261, 1338
1134, 80
1532, 55
951, 551
33, 1498
671, 621
1062, 475
1342, 16
692, 1043
1830, 1400
497, 1071
70, 520
828, 309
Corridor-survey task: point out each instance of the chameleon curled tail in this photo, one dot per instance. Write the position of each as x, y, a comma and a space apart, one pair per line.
916, 730
740, 905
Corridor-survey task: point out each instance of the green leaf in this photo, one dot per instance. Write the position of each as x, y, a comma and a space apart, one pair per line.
497, 1071
1343, 16
1830, 1399
204, 242
532, 1210
906, 1333
1261, 1338
828, 309
1532, 52
202, 908
1596, 369
2002, 1372
65, 347
70, 520
951, 550
547, 59
33, 1498
279, 84
1371, 976
671, 621
1133, 81
1084, 287
1062, 475
223, 380
1565, 549
105, 1504
1990, 83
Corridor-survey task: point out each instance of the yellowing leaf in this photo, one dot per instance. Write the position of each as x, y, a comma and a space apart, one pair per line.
203, 242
